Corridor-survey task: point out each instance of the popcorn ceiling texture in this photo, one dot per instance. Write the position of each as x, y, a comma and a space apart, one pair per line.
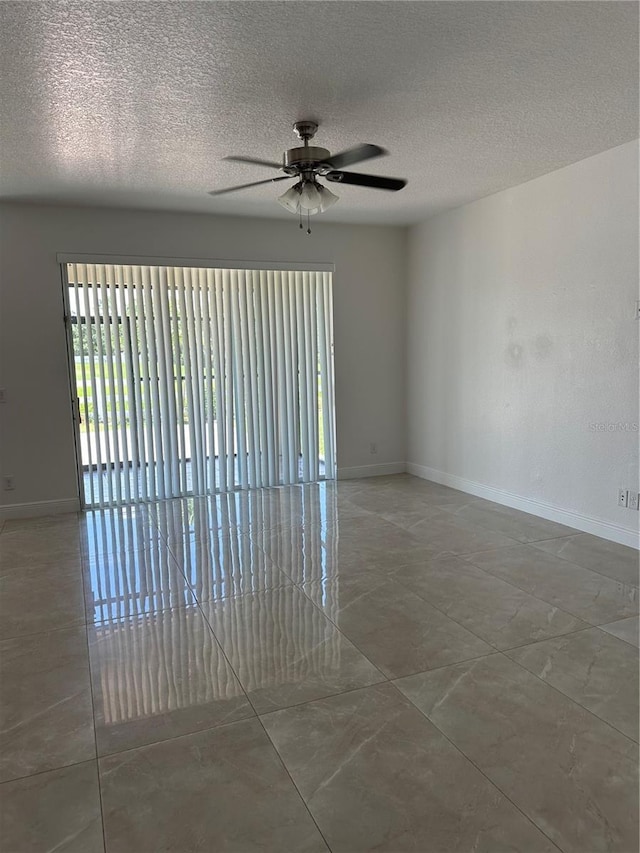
135, 104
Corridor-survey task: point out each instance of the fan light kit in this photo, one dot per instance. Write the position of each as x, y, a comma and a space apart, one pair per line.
306, 163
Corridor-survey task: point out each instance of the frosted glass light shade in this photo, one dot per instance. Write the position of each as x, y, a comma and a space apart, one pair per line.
291, 199
327, 198
307, 197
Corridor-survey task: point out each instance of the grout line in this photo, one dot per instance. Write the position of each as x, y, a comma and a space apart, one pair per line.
328, 696
79, 623
286, 769
585, 627
457, 622
341, 632
572, 699
585, 568
249, 716
93, 707
226, 657
551, 603
178, 737
471, 761
48, 770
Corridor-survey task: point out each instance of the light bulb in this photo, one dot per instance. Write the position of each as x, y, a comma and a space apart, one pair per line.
291, 199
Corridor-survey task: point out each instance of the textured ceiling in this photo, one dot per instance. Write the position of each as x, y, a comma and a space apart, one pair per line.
135, 104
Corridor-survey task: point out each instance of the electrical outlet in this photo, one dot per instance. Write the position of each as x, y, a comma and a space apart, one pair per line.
373, 448
8, 482
623, 497
3, 395
633, 500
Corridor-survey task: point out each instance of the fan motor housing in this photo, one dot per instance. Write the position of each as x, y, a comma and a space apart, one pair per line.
304, 157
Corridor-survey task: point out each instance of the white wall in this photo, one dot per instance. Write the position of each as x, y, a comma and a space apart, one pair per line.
36, 442
522, 334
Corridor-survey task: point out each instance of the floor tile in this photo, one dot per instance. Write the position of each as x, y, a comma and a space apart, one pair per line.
45, 707
58, 810
68, 521
510, 522
157, 676
41, 598
398, 507
596, 670
354, 546
384, 545
175, 519
302, 554
396, 629
223, 790
116, 530
608, 558
265, 509
451, 535
377, 775
124, 584
37, 546
218, 566
586, 594
284, 650
494, 610
625, 629
571, 773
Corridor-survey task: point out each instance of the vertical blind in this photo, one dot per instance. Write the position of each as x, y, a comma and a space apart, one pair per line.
195, 380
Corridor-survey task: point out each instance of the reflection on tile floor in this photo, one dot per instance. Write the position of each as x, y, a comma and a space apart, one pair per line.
382, 664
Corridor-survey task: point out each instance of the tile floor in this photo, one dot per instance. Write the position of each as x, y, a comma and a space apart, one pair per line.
374, 665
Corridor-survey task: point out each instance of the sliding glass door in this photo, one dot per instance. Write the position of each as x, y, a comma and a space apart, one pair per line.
191, 380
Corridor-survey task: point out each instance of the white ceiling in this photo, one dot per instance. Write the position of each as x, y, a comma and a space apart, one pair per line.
134, 104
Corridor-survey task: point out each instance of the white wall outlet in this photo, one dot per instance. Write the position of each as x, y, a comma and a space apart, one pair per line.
373, 448
9, 482
633, 500
623, 497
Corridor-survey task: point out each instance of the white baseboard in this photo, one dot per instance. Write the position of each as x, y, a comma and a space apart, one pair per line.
371, 470
38, 508
585, 523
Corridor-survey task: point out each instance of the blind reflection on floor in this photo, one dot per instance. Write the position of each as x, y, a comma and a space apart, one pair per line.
145, 564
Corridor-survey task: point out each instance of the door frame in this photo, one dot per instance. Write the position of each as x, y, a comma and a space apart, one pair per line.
74, 401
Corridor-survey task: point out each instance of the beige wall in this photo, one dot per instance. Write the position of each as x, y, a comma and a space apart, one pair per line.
522, 336
36, 442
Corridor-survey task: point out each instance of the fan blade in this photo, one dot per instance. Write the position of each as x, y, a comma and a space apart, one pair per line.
355, 155
244, 186
270, 163
376, 182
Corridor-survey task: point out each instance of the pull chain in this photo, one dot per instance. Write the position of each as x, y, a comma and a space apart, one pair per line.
308, 225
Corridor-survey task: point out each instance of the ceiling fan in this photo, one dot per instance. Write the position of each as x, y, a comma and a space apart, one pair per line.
307, 163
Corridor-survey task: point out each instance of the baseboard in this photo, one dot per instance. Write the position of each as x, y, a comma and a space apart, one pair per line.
371, 470
38, 508
585, 523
